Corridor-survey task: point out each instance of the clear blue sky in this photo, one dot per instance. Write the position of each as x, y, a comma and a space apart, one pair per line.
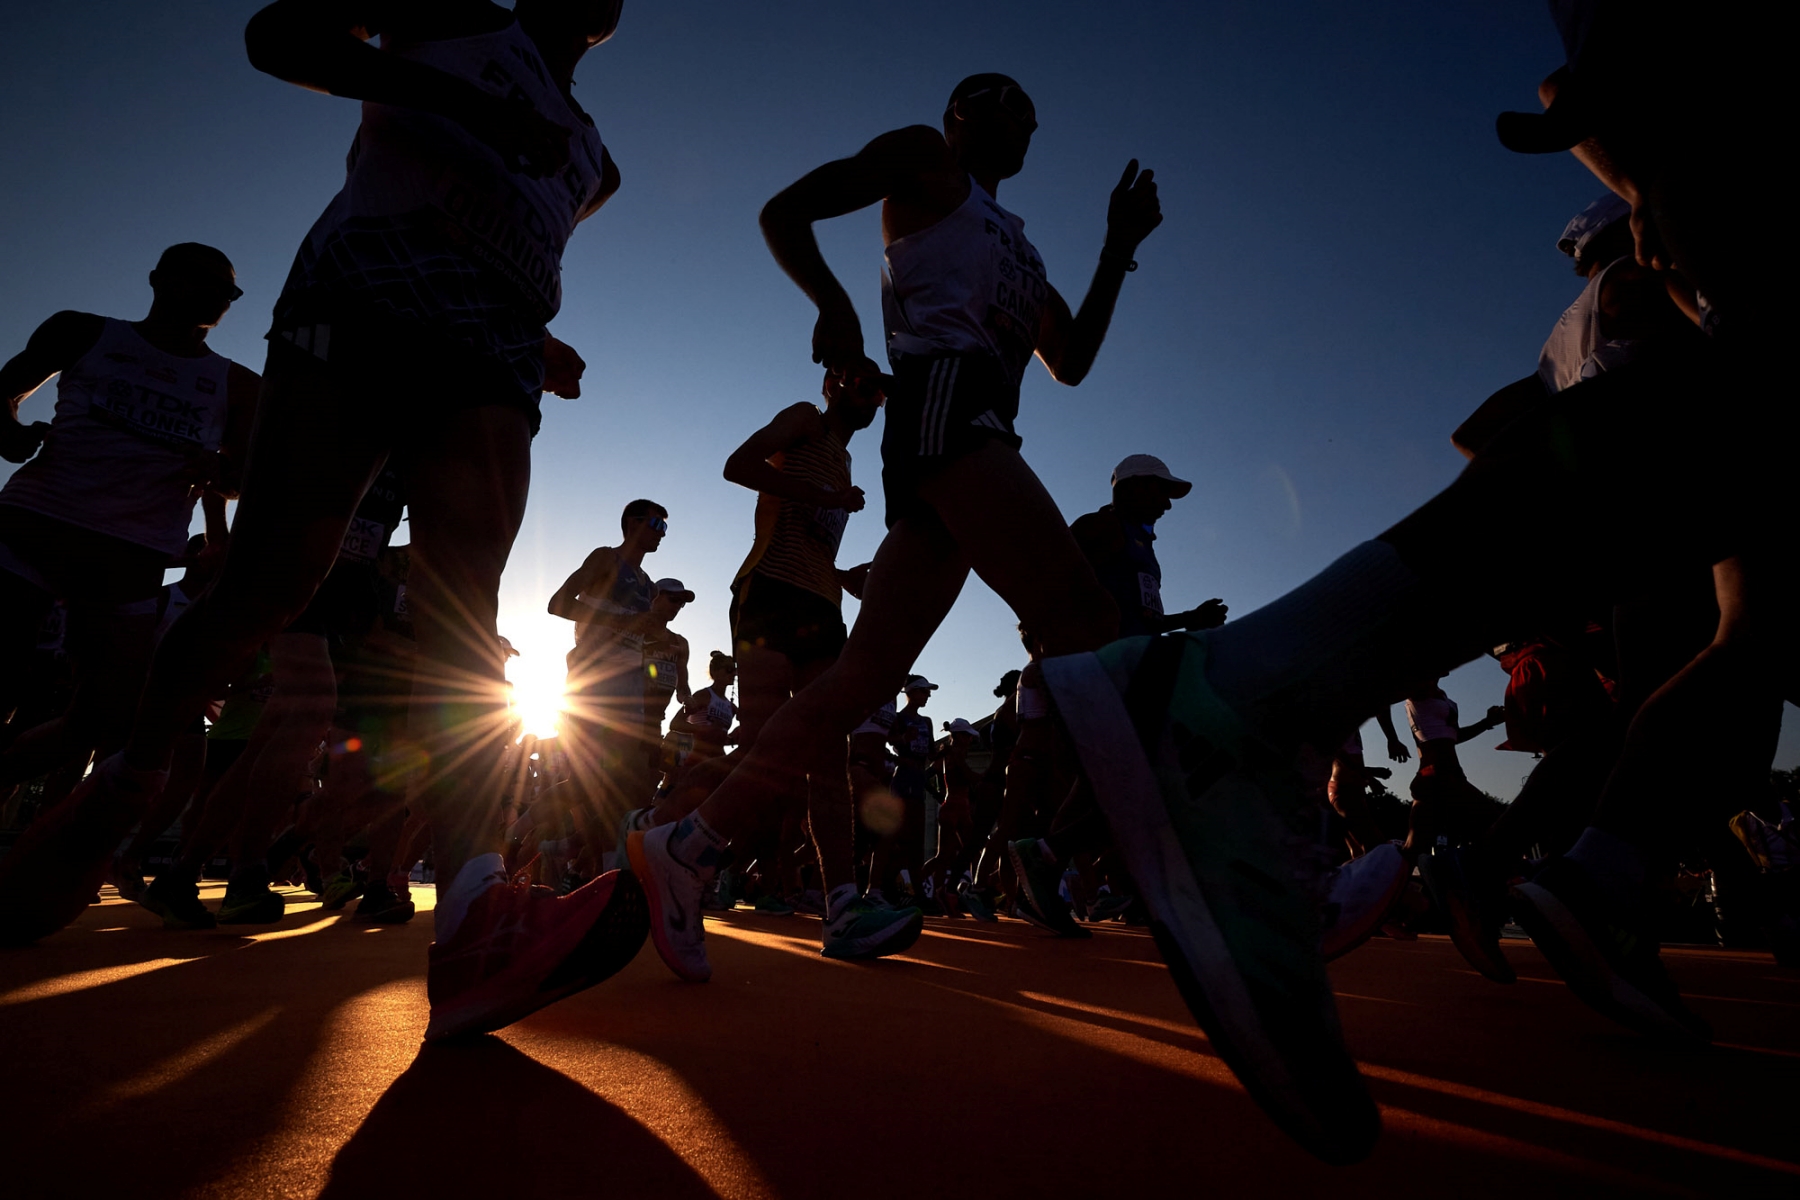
1349, 261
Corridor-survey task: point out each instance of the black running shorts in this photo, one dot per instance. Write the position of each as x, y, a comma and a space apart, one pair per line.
405, 371
775, 615
940, 409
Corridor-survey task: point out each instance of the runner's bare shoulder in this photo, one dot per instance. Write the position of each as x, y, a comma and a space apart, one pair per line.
63, 338
406, 21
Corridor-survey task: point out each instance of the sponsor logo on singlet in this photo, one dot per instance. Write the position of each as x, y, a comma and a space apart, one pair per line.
828, 526
363, 540
152, 414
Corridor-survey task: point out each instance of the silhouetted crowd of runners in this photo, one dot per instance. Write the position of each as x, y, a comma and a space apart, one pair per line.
312, 702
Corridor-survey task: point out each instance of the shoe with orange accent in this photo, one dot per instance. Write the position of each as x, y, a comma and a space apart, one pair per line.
676, 927
520, 948
60, 861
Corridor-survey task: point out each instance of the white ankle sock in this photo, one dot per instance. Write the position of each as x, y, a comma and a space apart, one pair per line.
477, 876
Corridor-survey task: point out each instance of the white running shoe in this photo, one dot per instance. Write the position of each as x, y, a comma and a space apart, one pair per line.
674, 895
1362, 891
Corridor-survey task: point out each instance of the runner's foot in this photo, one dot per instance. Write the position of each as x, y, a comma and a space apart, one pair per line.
340, 889
774, 906
863, 931
519, 948
1107, 907
1361, 893
249, 900
176, 899
1609, 958
977, 904
128, 879
1474, 907
1039, 879
1213, 825
673, 893
385, 905
57, 865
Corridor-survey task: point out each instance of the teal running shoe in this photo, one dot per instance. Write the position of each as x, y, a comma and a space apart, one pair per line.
1215, 828
340, 890
864, 930
1038, 883
977, 904
251, 901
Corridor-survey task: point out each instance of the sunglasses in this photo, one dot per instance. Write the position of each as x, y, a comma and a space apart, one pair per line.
1012, 98
658, 525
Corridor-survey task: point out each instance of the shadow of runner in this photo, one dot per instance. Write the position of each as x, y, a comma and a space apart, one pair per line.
483, 1119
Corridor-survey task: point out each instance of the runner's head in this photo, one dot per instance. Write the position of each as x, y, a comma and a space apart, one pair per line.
854, 401
593, 21
961, 732
1009, 683
193, 285
1143, 489
669, 599
989, 122
644, 522
722, 668
1598, 235
918, 690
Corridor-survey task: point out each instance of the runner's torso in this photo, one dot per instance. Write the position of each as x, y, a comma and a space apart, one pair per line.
798, 543
129, 420
1576, 349
1125, 561
432, 227
710, 713
1433, 719
663, 656
969, 283
627, 593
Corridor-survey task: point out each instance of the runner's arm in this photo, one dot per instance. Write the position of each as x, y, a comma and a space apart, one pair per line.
682, 690
242, 387
1496, 717
1396, 749
885, 166
1069, 344
53, 346
564, 603
323, 45
749, 464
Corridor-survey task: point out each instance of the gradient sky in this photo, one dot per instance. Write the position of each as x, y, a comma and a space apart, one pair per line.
1349, 261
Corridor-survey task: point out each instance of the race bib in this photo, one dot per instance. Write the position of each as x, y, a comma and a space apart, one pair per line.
828, 526
1150, 592
363, 540
662, 672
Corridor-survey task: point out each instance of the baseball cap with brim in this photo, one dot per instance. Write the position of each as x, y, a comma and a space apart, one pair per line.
959, 726
1568, 122
675, 588
1148, 466
918, 683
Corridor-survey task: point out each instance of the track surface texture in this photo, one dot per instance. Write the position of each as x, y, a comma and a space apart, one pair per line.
991, 1061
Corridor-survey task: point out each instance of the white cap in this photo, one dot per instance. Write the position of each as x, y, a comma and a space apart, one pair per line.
1590, 223
918, 683
959, 726
1139, 466
676, 588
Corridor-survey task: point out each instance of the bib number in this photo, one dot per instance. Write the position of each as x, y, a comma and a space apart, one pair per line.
1150, 592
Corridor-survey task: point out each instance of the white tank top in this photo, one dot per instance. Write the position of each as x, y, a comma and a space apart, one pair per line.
427, 169
1433, 719
971, 282
129, 417
1575, 350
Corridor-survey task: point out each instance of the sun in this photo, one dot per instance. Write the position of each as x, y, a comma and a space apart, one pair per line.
537, 678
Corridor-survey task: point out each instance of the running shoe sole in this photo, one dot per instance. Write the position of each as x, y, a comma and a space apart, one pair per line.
1338, 942
604, 949
640, 862
1287, 1050
1559, 935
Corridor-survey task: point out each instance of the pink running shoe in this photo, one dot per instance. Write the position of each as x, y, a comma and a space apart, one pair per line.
521, 948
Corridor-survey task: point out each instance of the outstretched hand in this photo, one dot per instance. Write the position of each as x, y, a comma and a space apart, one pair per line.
1133, 210
563, 368
1210, 615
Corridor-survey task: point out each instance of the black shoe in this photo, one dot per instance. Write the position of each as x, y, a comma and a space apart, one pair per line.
380, 903
251, 901
176, 899
1473, 906
1611, 959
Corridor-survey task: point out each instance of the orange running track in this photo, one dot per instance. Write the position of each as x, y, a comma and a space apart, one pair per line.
992, 1062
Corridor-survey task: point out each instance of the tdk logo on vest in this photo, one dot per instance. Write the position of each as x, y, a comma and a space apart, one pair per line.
151, 413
